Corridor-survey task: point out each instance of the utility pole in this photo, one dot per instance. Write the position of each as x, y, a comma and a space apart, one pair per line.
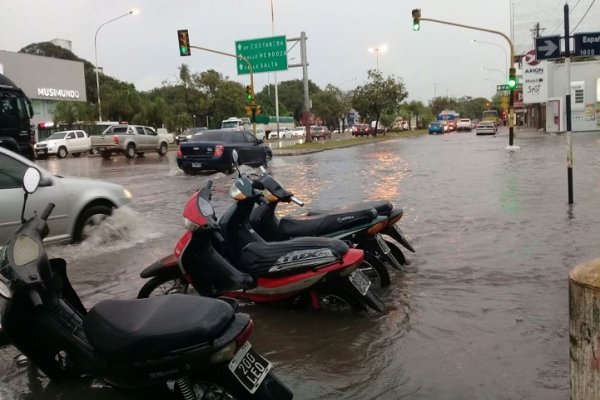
568, 105
304, 64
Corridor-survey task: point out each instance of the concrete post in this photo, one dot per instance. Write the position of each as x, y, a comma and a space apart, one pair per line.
584, 330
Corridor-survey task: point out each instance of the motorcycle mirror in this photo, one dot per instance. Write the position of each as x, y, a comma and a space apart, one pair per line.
235, 156
31, 180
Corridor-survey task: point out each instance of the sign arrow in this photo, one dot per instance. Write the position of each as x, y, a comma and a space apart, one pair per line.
550, 47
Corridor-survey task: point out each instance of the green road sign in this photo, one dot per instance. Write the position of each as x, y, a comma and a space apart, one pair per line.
265, 54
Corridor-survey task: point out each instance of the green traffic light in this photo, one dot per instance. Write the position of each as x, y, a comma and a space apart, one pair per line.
512, 83
416, 26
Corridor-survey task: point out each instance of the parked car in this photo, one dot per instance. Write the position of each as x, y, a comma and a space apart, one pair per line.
187, 134
62, 143
286, 133
166, 134
360, 130
464, 124
212, 150
299, 132
486, 128
81, 203
320, 132
436, 128
260, 133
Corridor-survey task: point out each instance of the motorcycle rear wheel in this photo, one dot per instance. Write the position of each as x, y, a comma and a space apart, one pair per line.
338, 300
376, 271
165, 284
396, 252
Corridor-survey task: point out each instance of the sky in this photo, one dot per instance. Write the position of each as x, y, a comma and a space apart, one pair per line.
438, 60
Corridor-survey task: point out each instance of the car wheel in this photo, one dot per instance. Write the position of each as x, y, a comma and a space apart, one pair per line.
62, 152
89, 220
130, 151
162, 151
75, 154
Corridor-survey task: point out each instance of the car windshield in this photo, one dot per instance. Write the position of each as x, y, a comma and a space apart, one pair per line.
465, 120
212, 136
57, 135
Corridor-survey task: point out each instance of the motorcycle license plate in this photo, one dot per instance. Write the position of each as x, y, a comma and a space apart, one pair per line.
249, 367
196, 165
360, 281
382, 244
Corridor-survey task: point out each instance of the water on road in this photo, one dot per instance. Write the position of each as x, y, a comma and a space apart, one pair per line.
481, 312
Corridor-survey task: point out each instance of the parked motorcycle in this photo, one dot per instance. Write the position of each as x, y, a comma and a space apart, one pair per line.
361, 224
228, 258
383, 208
196, 347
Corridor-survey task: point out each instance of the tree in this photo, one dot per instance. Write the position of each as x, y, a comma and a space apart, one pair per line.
439, 104
332, 105
69, 112
378, 96
416, 109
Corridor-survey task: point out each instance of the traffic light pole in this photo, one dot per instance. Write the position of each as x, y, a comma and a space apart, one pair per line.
511, 111
253, 104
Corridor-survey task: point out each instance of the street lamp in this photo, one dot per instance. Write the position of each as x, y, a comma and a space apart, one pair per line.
504, 76
96, 57
497, 45
379, 49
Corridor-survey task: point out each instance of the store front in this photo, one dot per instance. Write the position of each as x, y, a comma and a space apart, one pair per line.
46, 81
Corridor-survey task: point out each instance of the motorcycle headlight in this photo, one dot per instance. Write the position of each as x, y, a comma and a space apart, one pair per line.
236, 193
127, 194
189, 225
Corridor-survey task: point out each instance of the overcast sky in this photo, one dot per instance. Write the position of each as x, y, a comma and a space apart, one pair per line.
439, 59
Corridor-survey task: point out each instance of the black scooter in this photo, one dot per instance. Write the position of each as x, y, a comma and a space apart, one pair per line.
194, 346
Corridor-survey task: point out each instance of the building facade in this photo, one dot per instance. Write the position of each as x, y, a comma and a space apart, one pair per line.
45, 80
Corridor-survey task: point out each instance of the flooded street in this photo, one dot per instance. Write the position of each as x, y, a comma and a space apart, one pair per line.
481, 312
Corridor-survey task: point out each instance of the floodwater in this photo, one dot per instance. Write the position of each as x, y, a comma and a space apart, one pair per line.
481, 312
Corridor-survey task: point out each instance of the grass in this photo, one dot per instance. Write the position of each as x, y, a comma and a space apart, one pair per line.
345, 142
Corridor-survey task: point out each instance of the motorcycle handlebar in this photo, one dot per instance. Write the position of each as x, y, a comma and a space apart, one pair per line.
35, 298
297, 201
47, 211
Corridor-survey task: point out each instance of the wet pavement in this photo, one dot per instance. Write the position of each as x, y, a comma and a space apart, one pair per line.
481, 311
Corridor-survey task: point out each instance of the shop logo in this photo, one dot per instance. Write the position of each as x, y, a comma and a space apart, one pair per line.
62, 93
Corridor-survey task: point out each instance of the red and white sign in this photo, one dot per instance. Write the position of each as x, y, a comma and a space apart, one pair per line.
535, 77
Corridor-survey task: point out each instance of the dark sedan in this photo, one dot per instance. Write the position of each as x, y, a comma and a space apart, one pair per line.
212, 150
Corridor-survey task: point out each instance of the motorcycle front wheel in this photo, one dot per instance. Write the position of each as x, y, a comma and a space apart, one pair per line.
165, 284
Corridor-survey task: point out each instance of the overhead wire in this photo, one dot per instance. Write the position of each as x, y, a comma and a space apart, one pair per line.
584, 15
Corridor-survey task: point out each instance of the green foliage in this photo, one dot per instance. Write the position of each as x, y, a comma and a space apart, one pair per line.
69, 112
332, 105
378, 96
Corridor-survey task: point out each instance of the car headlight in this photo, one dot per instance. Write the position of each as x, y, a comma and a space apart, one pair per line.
127, 194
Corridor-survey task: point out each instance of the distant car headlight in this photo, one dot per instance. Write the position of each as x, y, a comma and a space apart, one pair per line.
127, 194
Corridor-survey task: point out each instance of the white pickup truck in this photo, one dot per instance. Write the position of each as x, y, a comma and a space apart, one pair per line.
129, 140
463, 124
62, 143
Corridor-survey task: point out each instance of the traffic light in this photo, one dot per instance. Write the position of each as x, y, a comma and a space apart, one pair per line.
249, 93
184, 42
416, 14
512, 79
258, 110
249, 111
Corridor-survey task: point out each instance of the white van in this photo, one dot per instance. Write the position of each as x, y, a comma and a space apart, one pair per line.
235, 123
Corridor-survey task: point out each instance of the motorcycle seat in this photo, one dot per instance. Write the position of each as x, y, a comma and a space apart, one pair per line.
154, 326
383, 207
291, 256
320, 225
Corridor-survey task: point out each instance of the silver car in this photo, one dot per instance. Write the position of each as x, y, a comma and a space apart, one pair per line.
80, 203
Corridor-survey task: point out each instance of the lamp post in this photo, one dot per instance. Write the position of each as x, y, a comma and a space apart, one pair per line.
96, 57
275, 73
504, 76
383, 48
497, 45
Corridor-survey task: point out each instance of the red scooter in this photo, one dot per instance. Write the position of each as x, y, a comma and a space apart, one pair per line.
321, 272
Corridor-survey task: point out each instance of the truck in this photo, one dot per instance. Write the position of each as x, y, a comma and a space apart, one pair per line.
236, 123
130, 140
15, 114
62, 143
